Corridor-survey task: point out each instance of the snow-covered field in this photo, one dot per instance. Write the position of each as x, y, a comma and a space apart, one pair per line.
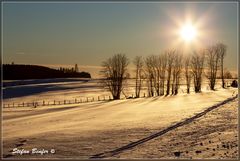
86, 129
69, 89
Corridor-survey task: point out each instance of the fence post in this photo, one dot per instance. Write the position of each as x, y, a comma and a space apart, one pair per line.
144, 95
98, 98
87, 99
93, 99
75, 100
43, 103
54, 102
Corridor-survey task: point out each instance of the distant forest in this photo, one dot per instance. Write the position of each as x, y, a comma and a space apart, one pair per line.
20, 71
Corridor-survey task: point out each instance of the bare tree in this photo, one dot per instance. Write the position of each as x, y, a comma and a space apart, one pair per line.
197, 64
163, 65
177, 66
213, 57
150, 74
188, 75
222, 51
155, 73
156, 67
114, 74
170, 58
138, 62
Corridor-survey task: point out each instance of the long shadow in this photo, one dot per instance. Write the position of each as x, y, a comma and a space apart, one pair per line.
141, 141
40, 81
35, 89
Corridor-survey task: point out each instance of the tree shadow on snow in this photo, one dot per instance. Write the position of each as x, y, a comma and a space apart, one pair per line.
36, 89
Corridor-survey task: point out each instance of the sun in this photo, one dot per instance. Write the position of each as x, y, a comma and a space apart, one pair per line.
188, 32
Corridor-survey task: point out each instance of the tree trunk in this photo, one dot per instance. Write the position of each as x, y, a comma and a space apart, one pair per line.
223, 82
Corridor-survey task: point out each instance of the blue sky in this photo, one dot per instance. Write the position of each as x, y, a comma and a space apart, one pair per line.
88, 33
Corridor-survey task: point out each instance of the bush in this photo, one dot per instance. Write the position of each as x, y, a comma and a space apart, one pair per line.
234, 84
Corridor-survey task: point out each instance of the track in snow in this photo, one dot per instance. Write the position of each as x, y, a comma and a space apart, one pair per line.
160, 133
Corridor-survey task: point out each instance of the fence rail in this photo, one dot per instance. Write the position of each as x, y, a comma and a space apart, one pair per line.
56, 102
61, 102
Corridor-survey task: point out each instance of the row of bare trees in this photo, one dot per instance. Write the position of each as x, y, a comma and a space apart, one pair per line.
165, 70
169, 67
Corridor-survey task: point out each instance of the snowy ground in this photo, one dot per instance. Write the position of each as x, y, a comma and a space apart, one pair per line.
69, 89
84, 130
214, 136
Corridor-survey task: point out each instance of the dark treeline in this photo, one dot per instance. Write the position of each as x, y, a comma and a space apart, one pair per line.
19, 71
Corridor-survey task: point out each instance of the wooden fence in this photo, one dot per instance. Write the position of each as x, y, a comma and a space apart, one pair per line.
62, 102
56, 102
